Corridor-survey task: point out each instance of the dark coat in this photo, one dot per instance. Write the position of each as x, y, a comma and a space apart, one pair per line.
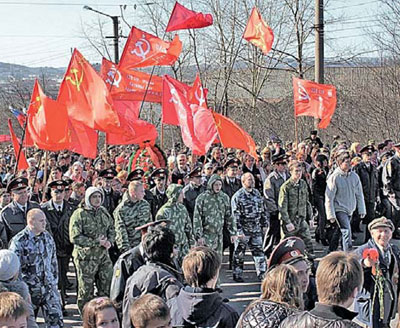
59, 226
190, 194
369, 181
177, 176
229, 187
13, 220
327, 316
198, 307
159, 200
154, 278
111, 200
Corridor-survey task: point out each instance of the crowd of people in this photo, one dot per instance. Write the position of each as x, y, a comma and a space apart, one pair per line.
146, 247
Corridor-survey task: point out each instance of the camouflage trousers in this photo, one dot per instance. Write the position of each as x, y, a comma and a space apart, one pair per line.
48, 299
255, 242
302, 230
215, 242
89, 272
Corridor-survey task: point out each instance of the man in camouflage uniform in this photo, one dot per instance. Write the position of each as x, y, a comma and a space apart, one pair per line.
252, 219
91, 230
293, 206
211, 212
179, 220
192, 190
132, 212
272, 186
37, 253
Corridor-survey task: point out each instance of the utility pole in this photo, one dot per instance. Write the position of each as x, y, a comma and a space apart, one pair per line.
319, 46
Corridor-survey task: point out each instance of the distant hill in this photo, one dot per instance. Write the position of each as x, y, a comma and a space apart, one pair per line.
20, 71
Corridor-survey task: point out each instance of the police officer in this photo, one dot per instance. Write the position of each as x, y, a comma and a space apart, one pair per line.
37, 253
192, 190
159, 177
110, 198
58, 213
252, 219
13, 216
293, 207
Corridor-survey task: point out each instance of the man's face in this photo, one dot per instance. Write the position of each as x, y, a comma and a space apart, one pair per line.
55, 175
232, 171
217, 186
296, 173
116, 185
366, 157
20, 322
80, 192
303, 273
52, 162
160, 182
20, 196
107, 183
249, 161
249, 182
346, 164
208, 171
95, 199
382, 236
57, 195
281, 167
217, 154
77, 170
137, 193
196, 180
38, 223
5, 199
182, 160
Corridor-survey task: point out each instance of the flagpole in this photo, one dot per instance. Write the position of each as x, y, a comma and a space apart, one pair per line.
162, 135
44, 174
20, 144
37, 171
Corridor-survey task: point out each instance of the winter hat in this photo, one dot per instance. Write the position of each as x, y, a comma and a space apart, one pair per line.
9, 264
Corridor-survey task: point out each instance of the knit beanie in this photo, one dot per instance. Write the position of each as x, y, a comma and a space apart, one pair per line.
9, 264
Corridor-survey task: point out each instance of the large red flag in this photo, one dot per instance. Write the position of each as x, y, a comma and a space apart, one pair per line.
178, 100
144, 49
314, 99
135, 131
183, 18
232, 135
22, 163
21, 117
83, 139
204, 126
127, 84
258, 32
47, 121
87, 97
169, 114
197, 94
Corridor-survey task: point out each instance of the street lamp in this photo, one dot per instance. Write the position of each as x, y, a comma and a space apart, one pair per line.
115, 37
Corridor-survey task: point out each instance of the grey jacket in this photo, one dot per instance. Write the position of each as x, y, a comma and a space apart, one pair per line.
272, 186
344, 193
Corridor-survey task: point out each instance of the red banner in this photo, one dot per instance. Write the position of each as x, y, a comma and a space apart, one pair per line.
183, 18
4, 138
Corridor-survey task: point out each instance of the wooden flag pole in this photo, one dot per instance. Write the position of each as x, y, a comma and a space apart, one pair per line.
46, 154
162, 135
21, 143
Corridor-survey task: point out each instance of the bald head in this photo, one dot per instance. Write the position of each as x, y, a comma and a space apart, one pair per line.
248, 181
36, 221
136, 190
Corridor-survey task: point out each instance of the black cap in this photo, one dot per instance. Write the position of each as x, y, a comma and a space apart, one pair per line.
276, 159
217, 169
58, 184
69, 181
137, 174
396, 144
17, 183
320, 158
159, 173
288, 251
195, 172
232, 162
314, 132
367, 149
143, 228
108, 174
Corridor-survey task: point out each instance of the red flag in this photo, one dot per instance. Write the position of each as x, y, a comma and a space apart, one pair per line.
22, 163
21, 117
204, 126
314, 99
258, 32
135, 131
47, 121
86, 96
232, 135
4, 138
83, 139
127, 84
183, 18
178, 100
197, 94
143, 49
169, 114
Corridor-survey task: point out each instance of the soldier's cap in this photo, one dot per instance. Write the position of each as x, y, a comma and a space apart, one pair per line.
68, 180
135, 175
278, 159
321, 158
218, 168
108, 173
313, 132
381, 222
387, 154
367, 149
276, 140
208, 165
397, 145
381, 146
232, 162
159, 173
145, 227
17, 184
98, 160
196, 172
289, 251
58, 184
371, 142
231, 154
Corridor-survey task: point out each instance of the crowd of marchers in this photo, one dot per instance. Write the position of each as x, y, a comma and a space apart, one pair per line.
146, 243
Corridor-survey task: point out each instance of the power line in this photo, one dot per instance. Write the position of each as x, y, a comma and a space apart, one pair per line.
57, 4
357, 5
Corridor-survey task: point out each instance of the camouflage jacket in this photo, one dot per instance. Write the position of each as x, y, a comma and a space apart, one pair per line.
85, 228
249, 211
177, 213
211, 211
292, 202
38, 258
128, 215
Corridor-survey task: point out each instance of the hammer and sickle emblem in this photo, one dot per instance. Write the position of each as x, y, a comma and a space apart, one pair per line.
114, 77
40, 105
75, 80
200, 98
303, 95
218, 124
174, 96
142, 48
260, 36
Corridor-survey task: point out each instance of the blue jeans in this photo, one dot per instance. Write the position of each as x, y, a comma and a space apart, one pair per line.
344, 230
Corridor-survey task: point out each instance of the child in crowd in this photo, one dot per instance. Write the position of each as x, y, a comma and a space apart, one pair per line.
100, 313
150, 311
13, 310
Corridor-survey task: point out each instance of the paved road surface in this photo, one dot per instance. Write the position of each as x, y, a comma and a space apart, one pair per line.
239, 294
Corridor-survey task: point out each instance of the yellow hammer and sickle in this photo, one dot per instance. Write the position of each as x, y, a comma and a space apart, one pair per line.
260, 35
219, 124
40, 105
75, 80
